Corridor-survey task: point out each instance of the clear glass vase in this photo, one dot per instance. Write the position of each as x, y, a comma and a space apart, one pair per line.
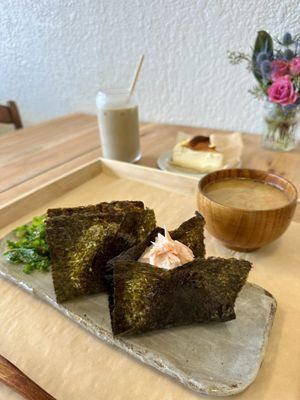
280, 128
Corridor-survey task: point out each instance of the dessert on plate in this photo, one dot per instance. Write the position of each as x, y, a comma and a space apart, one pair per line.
198, 154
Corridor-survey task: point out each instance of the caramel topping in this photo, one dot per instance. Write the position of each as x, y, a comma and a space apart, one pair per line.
199, 143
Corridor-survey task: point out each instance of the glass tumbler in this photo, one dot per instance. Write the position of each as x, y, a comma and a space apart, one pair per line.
118, 124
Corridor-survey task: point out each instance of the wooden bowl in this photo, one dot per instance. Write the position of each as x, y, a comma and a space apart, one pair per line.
242, 229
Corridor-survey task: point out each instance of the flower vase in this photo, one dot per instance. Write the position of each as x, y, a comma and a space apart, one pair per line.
280, 127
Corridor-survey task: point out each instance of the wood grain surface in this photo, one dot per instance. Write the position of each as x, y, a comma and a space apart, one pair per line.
9, 114
42, 152
11, 376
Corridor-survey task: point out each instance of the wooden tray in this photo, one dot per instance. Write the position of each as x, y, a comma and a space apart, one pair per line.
218, 358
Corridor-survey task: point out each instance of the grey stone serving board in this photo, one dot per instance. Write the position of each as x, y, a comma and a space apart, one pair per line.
215, 359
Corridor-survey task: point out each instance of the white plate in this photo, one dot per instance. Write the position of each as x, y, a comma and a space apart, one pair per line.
164, 163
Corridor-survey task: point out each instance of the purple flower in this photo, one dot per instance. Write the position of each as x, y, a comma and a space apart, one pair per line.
287, 39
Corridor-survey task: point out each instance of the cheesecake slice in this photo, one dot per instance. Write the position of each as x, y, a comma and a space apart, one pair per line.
197, 154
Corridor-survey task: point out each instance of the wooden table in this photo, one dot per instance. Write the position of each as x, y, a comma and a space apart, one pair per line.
39, 153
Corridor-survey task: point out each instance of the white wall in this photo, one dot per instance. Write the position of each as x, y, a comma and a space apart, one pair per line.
56, 54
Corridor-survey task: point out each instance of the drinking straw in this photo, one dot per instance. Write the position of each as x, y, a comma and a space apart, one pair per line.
136, 75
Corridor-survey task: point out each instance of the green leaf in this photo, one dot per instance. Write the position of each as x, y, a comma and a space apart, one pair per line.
296, 81
263, 42
31, 247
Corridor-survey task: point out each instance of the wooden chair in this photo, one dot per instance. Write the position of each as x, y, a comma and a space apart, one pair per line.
10, 115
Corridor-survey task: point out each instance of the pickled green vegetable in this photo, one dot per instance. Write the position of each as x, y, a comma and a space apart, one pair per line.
31, 249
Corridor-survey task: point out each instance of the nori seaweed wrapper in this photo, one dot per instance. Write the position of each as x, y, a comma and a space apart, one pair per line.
189, 233
146, 297
113, 206
143, 297
81, 242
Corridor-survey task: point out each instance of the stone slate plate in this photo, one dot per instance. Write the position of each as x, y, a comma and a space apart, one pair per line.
216, 359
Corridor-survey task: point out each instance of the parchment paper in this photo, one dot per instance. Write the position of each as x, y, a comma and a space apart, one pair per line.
230, 145
72, 364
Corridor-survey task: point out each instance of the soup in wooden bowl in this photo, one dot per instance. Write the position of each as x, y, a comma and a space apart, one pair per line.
244, 208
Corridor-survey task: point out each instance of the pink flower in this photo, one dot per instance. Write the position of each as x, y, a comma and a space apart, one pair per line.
295, 66
282, 91
279, 68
